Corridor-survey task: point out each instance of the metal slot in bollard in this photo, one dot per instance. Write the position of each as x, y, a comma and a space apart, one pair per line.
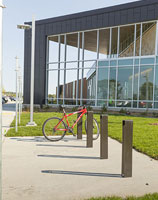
79, 128
103, 137
127, 141
90, 129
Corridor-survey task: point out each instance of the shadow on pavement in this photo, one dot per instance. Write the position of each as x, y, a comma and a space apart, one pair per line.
81, 173
75, 157
40, 139
49, 145
35, 139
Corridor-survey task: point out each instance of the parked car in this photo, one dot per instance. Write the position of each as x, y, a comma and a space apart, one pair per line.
5, 99
12, 98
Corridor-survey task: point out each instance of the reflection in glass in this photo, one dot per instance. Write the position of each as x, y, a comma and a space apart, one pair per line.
156, 88
82, 73
90, 45
114, 42
72, 47
126, 104
53, 49
138, 32
91, 86
52, 86
126, 41
135, 84
71, 84
62, 48
61, 84
146, 83
112, 86
148, 39
102, 83
124, 83
104, 41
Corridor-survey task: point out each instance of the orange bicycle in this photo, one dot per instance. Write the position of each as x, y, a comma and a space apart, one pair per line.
54, 129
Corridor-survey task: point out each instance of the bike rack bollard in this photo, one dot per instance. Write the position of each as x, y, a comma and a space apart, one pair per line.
103, 137
127, 141
90, 129
79, 128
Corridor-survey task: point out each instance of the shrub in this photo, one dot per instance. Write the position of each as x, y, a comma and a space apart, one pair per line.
104, 109
89, 108
123, 111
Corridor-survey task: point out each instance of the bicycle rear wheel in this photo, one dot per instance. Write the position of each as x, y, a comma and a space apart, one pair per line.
49, 131
95, 128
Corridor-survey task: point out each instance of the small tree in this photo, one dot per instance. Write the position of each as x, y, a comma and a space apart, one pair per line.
3, 91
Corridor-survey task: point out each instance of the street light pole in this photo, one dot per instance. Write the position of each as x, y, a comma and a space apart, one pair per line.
17, 69
26, 26
19, 83
1, 55
32, 123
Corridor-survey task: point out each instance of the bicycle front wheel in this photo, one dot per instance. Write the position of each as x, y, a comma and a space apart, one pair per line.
95, 129
51, 132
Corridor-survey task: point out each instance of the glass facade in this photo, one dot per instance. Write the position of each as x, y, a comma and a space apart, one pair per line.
115, 67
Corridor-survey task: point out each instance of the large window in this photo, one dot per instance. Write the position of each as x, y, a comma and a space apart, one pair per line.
113, 66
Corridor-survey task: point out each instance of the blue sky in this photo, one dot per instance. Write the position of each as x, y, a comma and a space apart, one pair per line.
20, 11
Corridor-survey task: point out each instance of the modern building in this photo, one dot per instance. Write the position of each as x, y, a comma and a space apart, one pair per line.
107, 56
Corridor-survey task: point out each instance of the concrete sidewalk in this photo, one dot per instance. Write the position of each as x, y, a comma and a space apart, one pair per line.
8, 115
36, 169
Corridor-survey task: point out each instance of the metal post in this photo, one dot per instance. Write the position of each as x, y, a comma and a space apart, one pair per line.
90, 129
127, 140
96, 87
47, 72
1, 8
109, 67
104, 137
32, 123
17, 69
140, 53
81, 94
118, 50
134, 54
79, 128
58, 82
156, 48
20, 91
78, 69
19, 96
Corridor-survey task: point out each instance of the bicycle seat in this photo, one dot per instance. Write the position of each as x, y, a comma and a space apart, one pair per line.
61, 107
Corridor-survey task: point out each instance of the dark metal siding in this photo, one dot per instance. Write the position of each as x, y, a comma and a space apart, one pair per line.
140, 11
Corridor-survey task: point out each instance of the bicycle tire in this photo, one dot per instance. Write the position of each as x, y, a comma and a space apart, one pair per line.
52, 137
95, 133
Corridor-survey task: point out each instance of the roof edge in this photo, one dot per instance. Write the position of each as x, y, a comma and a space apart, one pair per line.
96, 11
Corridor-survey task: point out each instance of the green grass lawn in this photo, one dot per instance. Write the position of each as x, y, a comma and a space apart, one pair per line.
145, 136
146, 197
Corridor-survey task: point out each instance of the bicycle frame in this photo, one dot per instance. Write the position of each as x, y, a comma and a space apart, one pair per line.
83, 111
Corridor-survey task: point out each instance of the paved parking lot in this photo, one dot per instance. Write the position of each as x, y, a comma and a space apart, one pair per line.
34, 168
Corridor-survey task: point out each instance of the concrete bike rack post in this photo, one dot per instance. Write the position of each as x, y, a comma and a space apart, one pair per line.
103, 137
127, 141
90, 129
79, 128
